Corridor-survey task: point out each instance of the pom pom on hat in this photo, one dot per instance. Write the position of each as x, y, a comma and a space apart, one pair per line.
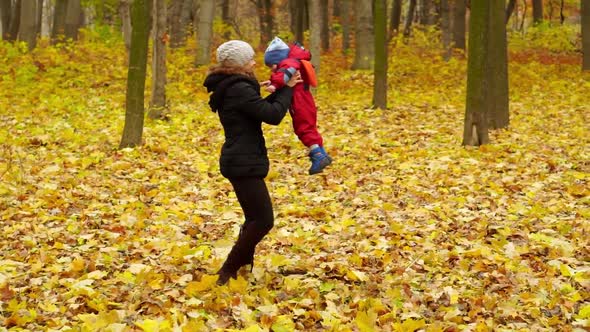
276, 51
235, 52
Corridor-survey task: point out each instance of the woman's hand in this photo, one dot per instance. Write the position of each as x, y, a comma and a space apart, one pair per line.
295, 79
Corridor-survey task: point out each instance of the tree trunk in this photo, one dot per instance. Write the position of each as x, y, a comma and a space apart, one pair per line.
5, 12
205, 32
497, 57
346, 21
124, 11
487, 78
396, 15
28, 26
158, 103
380, 71
226, 18
325, 20
538, 11
585, 13
315, 33
298, 13
510, 9
364, 48
427, 15
134, 108
561, 15
59, 20
409, 18
39, 16
475, 130
176, 26
266, 20
73, 15
459, 25
445, 26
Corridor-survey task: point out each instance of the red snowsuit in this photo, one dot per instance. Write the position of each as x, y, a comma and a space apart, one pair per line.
303, 109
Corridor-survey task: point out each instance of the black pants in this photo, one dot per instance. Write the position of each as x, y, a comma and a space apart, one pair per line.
256, 204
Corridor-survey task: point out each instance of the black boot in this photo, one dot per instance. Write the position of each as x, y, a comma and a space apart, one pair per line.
242, 252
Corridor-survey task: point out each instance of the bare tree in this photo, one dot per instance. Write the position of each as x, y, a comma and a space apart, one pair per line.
380, 70
445, 27
396, 15
265, 20
73, 19
28, 26
5, 17
346, 22
315, 32
459, 24
158, 103
409, 18
205, 32
585, 13
364, 49
510, 9
487, 77
125, 13
538, 11
134, 108
325, 19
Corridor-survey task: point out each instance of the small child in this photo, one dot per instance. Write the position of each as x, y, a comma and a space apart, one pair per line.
284, 62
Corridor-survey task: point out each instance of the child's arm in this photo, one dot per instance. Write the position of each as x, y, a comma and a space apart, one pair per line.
282, 75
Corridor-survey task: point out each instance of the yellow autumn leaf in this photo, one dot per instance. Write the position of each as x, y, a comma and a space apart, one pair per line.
206, 282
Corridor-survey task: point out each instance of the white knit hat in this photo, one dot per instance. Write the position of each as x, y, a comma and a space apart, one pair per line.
235, 52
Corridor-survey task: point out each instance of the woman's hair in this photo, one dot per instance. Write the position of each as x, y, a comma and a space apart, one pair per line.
231, 70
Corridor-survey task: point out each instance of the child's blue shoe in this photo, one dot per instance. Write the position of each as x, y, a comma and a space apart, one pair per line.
319, 160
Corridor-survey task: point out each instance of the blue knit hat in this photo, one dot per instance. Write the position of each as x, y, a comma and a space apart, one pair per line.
276, 52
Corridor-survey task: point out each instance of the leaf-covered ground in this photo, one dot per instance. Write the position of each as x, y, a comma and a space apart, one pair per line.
406, 231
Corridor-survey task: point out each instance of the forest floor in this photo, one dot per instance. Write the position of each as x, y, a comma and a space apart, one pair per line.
406, 231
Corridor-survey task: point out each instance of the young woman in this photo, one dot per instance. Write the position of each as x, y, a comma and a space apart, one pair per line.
236, 99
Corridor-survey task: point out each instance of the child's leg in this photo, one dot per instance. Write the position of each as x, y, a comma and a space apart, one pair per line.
305, 126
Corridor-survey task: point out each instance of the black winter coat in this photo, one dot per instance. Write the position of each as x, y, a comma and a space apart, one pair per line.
242, 110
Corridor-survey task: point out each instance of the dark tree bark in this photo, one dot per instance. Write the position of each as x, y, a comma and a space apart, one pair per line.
5, 16
364, 38
158, 103
325, 25
538, 11
134, 108
315, 35
498, 115
396, 15
346, 21
298, 9
427, 13
28, 23
510, 9
59, 20
410, 18
561, 15
73, 19
585, 13
225, 17
459, 24
39, 16
380, 70
266, 20
445, 26
178, 20
125, 13
205, 32
487, 75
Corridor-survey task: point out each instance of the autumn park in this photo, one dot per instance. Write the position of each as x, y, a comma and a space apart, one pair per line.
451, 191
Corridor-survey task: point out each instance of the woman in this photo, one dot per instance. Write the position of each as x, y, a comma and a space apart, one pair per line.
244, 161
